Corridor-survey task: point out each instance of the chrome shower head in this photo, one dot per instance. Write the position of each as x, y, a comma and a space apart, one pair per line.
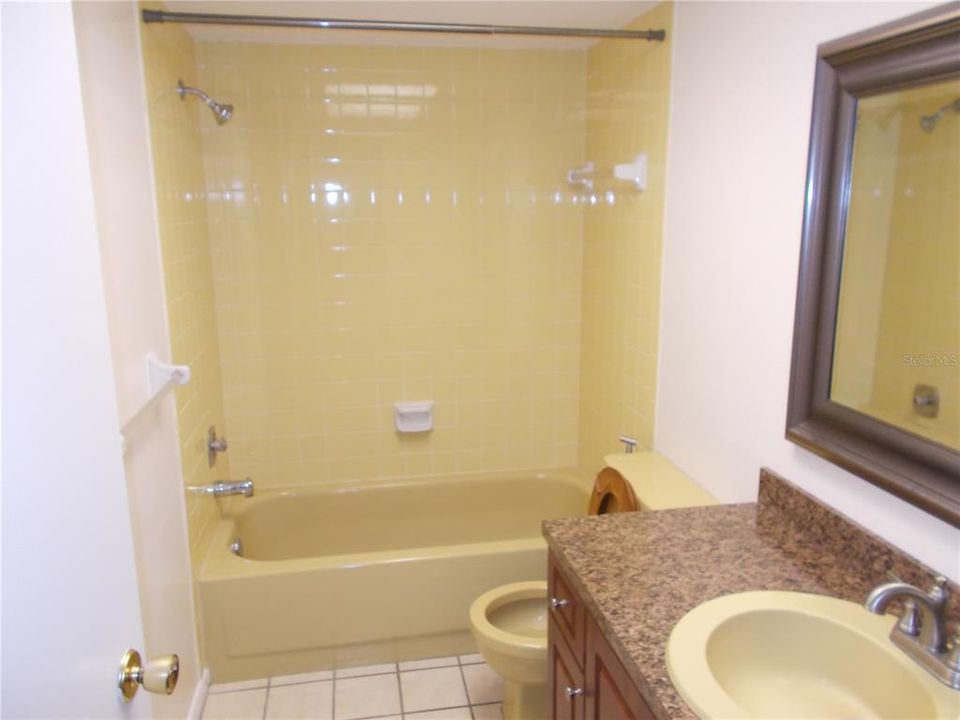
929, 122
221, 111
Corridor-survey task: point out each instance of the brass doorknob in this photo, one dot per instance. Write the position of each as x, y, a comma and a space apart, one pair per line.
157, 676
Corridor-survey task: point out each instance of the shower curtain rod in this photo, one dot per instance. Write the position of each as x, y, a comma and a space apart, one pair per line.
157, 16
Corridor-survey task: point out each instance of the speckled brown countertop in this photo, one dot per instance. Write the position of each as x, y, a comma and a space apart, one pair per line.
639, 573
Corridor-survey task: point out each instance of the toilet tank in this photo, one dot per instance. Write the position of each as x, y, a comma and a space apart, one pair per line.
657, 483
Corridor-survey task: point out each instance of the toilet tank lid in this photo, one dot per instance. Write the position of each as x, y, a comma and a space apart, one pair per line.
657, 482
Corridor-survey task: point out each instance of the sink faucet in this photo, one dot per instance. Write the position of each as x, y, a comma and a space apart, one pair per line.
931, 605
922, 629
229, 487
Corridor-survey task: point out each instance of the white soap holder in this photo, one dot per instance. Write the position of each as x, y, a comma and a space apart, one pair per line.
413, 417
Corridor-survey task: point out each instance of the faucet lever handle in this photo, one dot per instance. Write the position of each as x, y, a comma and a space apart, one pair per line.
909, 623
940, 590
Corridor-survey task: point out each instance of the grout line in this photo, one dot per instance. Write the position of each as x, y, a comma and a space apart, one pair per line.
310, 682
333, 696
354, 677
266, 701
400, 690
431, 710
466, 690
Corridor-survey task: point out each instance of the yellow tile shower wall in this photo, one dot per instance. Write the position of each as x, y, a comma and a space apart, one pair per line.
627, 103
183, 224
392, 224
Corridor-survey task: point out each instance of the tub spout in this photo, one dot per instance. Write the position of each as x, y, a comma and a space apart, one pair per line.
230, 487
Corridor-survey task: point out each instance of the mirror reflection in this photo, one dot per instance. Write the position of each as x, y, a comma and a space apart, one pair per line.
897, 343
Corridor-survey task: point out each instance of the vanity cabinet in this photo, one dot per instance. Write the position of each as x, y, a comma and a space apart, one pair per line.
587, 681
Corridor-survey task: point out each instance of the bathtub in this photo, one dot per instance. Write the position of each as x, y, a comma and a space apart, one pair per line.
345, 574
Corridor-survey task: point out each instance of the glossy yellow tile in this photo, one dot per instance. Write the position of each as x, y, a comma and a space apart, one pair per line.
627, 106
391, 224
176, 128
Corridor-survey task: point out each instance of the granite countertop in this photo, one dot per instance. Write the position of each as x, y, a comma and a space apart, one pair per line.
639, 573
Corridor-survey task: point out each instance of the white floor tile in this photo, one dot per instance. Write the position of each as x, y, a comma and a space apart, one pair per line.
364, 697
366, 670
431, 689
483, 684
308, 701
487, 712
243, 705
428, 663
234, 686
472, 659
460, 713
301, 678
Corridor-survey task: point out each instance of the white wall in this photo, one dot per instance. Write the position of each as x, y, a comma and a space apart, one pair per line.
739, 128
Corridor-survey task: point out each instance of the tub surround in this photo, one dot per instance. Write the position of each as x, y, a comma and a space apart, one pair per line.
639, 573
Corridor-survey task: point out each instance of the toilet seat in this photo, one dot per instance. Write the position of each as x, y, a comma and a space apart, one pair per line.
611, 493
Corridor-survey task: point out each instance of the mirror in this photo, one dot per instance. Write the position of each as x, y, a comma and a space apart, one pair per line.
875, 379
895, 354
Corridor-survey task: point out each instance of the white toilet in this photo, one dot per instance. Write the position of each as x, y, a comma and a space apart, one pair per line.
509, 623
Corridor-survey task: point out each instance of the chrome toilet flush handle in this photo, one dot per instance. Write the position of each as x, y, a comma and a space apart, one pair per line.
558, 603
573, 692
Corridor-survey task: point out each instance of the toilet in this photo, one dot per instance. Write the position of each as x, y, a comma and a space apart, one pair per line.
509, 623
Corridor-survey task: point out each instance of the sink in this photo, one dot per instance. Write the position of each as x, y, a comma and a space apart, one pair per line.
794, 655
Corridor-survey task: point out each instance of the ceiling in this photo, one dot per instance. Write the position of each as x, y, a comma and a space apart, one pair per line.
604, 14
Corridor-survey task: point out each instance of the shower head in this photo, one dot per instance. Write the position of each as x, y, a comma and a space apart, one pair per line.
929, 122
221, 111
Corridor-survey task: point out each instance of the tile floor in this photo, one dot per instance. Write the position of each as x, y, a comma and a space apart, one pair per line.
447, 688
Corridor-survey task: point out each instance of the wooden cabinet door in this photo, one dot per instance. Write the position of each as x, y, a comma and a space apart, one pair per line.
566, 610
609, 691
566, 677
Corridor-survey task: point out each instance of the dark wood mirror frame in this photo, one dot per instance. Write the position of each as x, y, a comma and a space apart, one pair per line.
916, 50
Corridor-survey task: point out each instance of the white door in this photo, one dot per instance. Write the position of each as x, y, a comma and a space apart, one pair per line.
70, 603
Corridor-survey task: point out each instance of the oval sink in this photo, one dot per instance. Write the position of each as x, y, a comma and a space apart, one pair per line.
794, 655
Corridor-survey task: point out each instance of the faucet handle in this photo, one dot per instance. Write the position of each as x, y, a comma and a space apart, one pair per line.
214, 445
909, 623
940, 590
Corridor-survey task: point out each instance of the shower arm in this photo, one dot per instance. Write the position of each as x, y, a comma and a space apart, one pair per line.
184, 90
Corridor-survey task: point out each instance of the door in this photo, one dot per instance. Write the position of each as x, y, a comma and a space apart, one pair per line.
70, 600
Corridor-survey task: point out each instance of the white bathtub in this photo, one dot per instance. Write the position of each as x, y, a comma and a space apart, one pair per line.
354, 573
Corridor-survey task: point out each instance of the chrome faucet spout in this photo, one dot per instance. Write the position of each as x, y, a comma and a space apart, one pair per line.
933, 625
232, 487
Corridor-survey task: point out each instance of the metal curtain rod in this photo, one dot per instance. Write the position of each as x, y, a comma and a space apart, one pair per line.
155, 16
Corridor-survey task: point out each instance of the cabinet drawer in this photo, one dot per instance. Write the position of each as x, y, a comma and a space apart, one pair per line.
566, 610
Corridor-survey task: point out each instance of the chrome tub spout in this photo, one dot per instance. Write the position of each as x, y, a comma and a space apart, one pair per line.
230, 487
